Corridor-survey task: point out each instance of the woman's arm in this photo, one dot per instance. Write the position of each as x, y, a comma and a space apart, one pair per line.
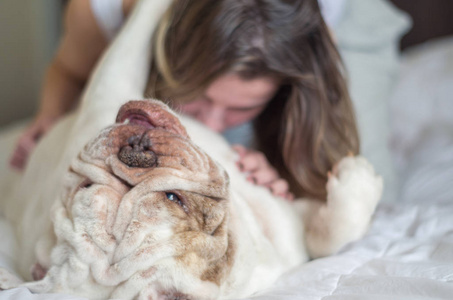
81, 46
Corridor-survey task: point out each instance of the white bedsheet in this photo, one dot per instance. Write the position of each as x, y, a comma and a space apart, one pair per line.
408, 252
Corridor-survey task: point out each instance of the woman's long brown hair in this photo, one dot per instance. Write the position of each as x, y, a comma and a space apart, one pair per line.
309, 125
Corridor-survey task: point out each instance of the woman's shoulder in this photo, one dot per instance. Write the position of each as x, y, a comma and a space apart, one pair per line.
127, 6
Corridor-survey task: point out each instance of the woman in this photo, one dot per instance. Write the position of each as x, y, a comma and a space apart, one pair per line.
225, 63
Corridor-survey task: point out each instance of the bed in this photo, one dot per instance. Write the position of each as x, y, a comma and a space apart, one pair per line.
408, 251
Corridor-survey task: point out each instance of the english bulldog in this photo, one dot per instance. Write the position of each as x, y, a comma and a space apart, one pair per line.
146, 213
154, 207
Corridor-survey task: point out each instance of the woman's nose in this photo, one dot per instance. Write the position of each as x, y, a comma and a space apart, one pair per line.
214, 118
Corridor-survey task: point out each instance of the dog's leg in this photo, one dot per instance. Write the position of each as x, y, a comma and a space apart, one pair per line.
353, 191
121, 74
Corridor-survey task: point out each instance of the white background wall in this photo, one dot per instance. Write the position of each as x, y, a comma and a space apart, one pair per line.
29, 32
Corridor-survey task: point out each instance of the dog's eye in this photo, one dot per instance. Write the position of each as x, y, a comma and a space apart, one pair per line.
174, 198
85, 184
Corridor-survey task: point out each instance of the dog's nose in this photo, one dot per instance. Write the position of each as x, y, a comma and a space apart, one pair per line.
137, 153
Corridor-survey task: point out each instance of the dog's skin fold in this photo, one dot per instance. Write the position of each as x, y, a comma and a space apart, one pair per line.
119, 226
154, 207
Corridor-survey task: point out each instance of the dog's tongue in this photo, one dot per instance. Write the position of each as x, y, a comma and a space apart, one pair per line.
140, 120
137, 153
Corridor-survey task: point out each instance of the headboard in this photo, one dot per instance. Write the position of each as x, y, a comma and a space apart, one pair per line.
431, 19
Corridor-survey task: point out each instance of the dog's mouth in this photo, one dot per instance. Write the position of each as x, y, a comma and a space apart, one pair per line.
139, 119
150, 115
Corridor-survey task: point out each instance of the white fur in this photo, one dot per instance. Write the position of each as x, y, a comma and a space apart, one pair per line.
271, 234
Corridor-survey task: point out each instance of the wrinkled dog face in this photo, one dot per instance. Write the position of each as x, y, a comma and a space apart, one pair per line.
144, 213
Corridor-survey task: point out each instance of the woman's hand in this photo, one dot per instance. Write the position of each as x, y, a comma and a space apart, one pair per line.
28, 140
260, 172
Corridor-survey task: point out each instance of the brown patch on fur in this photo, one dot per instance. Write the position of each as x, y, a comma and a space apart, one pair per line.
217, 271
148, 273
209, 217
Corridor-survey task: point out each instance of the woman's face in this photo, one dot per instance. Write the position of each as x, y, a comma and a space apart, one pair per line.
231, 100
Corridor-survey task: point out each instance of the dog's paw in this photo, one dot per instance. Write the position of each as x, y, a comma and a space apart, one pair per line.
8, 280
353, 180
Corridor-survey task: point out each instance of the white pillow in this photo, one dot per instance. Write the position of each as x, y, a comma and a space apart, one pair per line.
368, 35
422, 122
332, 10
